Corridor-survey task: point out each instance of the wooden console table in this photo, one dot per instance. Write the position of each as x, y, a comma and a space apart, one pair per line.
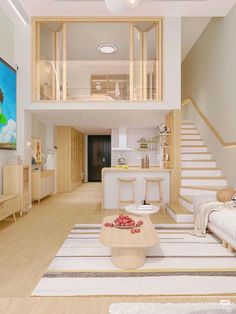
9, 205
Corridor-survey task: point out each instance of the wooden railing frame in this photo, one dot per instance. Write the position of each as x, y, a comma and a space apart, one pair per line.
208, 123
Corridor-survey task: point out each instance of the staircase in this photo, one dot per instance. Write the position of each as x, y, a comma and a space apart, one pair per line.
199, 174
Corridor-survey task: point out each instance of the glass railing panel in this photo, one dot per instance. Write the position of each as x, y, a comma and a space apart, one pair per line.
97, 80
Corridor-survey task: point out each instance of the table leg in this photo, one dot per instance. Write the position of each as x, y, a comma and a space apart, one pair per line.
128, 258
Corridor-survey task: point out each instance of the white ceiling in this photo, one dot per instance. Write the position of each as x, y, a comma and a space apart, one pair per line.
188, 8
102, 121
84, 38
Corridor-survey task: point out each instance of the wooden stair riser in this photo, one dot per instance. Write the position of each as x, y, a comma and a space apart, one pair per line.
186, 204
195, 156
190, 137
193, 192
201, 173
204, 182
179, 218
192, 143
189, 131
198, 164
194, 149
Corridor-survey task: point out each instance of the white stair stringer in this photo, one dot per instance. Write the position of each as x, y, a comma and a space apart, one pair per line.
199, 175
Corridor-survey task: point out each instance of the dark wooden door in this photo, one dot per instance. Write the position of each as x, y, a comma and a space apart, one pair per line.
99, 156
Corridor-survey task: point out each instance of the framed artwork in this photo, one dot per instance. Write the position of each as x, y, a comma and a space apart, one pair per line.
7, 106
36, 151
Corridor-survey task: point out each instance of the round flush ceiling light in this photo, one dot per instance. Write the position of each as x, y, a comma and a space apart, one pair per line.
116, 6
132, 3
107, 48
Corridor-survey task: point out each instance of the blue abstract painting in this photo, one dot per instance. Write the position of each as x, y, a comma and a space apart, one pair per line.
7, 106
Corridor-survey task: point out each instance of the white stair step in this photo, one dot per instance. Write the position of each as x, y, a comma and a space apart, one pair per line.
179, 213
186, 122
193, 172
190, 136
198, 164
187, 126
196, 156
194, 149
193, 190
192, 142
189, 131
203, 181
186, 201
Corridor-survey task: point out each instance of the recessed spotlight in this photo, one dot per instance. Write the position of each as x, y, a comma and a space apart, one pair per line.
107, 48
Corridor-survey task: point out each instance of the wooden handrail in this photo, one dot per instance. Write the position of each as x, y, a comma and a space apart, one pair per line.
211, 127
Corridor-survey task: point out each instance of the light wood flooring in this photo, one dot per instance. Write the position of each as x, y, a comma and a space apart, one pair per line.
28, 246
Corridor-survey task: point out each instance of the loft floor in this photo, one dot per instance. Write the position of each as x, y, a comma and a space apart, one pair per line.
29, 245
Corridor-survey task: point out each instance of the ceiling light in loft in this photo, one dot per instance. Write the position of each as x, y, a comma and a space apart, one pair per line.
107, 48
132, 3
116, 6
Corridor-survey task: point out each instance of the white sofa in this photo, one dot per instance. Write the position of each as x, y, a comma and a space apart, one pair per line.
222, 223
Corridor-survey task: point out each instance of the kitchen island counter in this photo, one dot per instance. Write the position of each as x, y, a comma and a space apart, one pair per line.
135, 169
110, 184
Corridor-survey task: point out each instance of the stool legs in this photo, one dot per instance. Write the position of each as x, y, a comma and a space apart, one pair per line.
123, 202
161, 198
160, 201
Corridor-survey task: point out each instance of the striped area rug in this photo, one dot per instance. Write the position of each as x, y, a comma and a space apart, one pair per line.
180, 264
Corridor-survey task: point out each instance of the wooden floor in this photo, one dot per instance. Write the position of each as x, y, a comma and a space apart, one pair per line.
28, 246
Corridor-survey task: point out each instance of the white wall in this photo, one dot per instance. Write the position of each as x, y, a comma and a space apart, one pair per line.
209, 76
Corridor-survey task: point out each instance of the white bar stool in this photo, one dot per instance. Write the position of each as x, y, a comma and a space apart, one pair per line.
128, 182
158, 181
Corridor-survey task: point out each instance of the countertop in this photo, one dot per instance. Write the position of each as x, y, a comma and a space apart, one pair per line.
136, 169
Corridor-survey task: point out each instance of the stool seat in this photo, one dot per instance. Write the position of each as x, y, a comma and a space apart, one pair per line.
154, 179
126, 180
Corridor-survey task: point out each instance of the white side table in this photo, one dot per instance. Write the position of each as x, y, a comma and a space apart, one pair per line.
133, 209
